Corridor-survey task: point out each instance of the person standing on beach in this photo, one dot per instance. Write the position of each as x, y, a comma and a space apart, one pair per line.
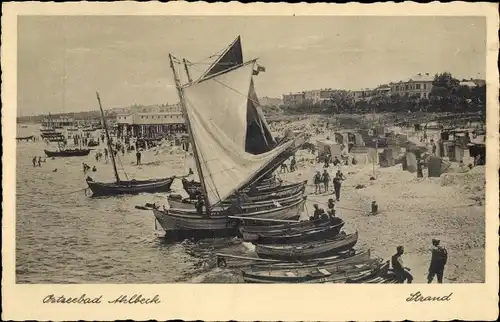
34, 162
438, 262
138, 156
337, 184
326, 179
402, 273
40, 161
293, 164
317, 182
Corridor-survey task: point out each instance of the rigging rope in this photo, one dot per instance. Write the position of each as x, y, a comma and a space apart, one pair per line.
257, 103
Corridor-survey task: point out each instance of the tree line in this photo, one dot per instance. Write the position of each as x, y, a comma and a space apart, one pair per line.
447, 95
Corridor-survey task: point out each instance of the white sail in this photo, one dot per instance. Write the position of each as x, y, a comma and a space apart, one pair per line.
217, 112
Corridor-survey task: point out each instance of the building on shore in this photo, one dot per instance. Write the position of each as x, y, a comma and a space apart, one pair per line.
319, 95
419, 85
293, 99
57, 122
150, 125
362, 94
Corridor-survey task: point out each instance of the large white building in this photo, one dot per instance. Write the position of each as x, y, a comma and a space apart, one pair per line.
419, 85
150, 125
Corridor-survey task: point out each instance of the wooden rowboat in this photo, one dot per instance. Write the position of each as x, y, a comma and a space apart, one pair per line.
342, 270
190, 204
279, 228
307, 250
255, 194
290, 236
235, 261
68, 153
129, 187
179, 223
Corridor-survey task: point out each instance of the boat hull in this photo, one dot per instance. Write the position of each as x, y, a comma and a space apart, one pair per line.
335, 271
279, 229
190, 204
189, 224
67, 153
193, 189
307, 251
130, 187
285, 237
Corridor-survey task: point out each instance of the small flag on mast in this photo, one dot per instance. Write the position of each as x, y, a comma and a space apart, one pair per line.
259, 69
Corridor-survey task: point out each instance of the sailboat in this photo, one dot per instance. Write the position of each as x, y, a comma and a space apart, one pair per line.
125, 187
258, 137
218, 129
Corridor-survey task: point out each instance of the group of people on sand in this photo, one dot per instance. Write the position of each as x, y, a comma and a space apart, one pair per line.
319, 213
293, 166
37, 162
439, 258
87, 168
323, 181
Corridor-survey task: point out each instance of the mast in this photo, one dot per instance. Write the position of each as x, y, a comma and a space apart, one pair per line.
187, 70
190, 133
108, 139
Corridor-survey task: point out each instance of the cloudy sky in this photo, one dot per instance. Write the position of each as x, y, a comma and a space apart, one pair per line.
126, 58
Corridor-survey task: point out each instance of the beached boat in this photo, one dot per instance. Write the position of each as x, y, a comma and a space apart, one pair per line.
67, 153
276, 228
290, 236
256, 195
237, 261
340, 270
373, 276
304, 251
120, 187
175, 202
220, 135
193, 188
179, 223
129, 187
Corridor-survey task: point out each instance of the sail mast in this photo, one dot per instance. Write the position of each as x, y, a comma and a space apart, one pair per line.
187, 70
190, 133
108, 139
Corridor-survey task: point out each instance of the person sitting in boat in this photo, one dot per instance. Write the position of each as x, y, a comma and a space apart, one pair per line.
331, 208
336, 161
354, 161
199, 204
317, 212
190, 172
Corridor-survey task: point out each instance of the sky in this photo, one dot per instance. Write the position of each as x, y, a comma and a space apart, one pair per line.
63, 60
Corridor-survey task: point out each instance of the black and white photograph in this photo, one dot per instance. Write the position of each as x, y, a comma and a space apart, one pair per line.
252, 149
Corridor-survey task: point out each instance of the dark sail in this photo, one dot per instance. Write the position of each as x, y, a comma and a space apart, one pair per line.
232, 57
259, 139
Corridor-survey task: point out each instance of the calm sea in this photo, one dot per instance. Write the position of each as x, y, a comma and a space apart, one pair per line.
63, 236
